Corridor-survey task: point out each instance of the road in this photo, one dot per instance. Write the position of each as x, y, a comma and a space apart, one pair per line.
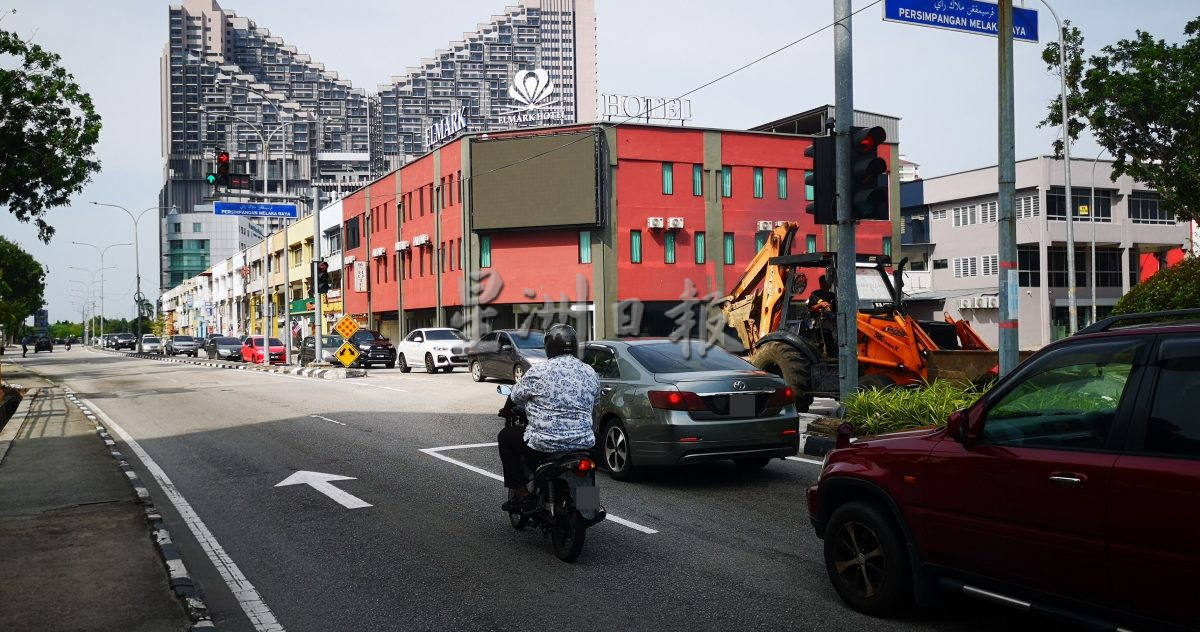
696, 548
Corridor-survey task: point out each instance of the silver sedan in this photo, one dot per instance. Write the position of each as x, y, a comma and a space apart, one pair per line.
669, 402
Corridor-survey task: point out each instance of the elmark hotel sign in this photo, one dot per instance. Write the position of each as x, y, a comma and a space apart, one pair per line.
533, 91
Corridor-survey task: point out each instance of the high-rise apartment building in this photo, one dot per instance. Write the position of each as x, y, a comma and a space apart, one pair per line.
533, 65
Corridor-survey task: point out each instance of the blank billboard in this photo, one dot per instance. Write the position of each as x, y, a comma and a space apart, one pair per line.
534, 182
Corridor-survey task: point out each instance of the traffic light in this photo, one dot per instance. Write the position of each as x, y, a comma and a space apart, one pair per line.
322, 276
868, 174
223, 168
821, 179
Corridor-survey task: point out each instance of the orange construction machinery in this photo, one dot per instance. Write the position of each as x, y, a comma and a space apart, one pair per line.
798, 340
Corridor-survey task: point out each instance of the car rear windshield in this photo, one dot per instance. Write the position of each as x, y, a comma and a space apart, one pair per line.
669, 357
151, 339
183, 339
332, 341
533, 340
444, 334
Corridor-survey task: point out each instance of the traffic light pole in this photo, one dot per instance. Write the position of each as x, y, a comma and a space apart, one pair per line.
847, 289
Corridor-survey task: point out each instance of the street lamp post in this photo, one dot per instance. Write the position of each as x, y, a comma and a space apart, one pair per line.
1092, 215
137, 260
102, 251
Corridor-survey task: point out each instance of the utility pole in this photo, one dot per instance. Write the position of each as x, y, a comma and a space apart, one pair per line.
1009, 290
318, 312
847, 289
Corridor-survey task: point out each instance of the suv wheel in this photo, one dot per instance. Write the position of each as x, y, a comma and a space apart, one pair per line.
866, 560
429, 366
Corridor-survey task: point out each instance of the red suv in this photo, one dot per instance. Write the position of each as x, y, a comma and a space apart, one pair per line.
1071, 489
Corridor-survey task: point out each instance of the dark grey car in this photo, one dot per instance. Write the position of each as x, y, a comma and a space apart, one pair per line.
506, 354
223, 348
668, 403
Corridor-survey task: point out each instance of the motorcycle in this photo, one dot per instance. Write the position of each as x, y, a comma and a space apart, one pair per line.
564, 486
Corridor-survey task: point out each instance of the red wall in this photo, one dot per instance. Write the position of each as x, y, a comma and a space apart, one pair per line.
544, 261
354, 205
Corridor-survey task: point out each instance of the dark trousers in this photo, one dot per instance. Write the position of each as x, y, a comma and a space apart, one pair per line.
514, 454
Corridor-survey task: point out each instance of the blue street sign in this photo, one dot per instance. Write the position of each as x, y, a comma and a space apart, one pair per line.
251, 209
971, 16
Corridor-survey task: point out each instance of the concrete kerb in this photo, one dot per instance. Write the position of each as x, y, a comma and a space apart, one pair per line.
334, 373
180, 579
13, 427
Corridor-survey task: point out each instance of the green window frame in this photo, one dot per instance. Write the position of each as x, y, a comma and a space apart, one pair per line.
697, 180
758, 182
585, 246
760, 240
699, 238
197, 227
728, 249
669, 248
808, 188
635, 246
726, 181
668, 178
485, 252
887, 246
812, 243
781, 183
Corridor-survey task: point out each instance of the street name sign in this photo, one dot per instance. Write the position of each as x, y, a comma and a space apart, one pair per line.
969, 16
347, 354
346, 327
255, 209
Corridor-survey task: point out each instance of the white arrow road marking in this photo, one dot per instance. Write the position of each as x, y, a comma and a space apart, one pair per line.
436, 453
321, 482
327, 419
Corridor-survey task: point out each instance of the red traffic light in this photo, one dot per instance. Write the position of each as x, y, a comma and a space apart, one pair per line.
865, 140
322, 267
223, 158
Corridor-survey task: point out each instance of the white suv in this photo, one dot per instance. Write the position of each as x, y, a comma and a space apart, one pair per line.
435, 347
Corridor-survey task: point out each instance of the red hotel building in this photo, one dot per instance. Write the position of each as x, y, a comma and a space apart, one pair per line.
491, 228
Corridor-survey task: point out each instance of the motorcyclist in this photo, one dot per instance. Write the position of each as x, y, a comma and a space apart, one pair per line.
558, 396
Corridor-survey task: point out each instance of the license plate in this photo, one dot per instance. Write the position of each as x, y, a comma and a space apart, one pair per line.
587, 498
741, 405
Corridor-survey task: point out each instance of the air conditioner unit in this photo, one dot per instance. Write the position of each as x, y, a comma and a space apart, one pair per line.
981, 302
421, 240
764, 224
966, 303
402, 245
675, 223
654, 223
993, 302
348, 260
780, 223
378, 252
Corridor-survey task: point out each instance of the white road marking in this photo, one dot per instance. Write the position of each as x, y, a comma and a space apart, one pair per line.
247, 595
804, 460
327, 419
437, 453
323, 483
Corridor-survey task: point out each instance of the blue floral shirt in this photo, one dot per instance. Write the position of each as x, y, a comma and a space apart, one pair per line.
558, 396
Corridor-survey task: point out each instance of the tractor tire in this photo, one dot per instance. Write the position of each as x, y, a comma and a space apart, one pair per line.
790, 364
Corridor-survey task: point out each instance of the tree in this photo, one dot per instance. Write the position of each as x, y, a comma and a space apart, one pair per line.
22, 284
1141, 100
1176, 287
48, 131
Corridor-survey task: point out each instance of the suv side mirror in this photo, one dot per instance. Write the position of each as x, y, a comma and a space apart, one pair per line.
966, 425
505, 348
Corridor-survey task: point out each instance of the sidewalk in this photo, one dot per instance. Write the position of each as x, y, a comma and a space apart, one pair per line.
76, 549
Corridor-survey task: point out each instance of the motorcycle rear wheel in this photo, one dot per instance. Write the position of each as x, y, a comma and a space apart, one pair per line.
518, 520
568, 537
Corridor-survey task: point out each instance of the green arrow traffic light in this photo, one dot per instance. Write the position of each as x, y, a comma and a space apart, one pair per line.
211, 178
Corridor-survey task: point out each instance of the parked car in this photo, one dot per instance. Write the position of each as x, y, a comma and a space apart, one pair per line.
124, 341
435, 347
506, 354
151, 344
179, 344
1069, 488
329, 345
252, 350
43, 344
374, 347
223, 348
668, 403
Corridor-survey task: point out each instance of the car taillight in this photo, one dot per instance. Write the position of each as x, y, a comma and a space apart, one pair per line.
676, 400
782, 396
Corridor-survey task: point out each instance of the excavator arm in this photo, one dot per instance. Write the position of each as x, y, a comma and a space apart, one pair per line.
756, 312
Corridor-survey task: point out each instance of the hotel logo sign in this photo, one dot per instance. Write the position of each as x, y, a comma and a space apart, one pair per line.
532, 90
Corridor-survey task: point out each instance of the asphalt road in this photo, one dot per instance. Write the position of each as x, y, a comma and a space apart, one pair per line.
433, 551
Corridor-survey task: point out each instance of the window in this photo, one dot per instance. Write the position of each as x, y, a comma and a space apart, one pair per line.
699, 240
175, 244
585, 246
938, 214
811, 242
485, 251
965, 215
1056, 267
668, 178
758, 182
176, 227
1069, 401
697, 180
1174, 427
635, 246
1108, 267
726, 181
781, 183
808, 188
941, 264
669, 248
1145, 207
1029, 266
197, 227
728, 249
352, 233
1081, 197
1027, 207
760, 239
887, 246
990, 264
966, 267
450, 256
987, 213
603, 362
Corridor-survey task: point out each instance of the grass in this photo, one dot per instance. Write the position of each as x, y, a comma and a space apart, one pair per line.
875, 411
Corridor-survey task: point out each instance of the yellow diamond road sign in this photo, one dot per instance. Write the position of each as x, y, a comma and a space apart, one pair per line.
346, 327
347, 354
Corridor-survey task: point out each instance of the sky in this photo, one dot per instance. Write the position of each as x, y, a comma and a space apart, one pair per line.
941, 84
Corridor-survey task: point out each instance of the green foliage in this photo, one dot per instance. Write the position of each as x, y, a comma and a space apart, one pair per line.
48, 131
1176, 287
875, 411
22, 285
1141, 99
64, 329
